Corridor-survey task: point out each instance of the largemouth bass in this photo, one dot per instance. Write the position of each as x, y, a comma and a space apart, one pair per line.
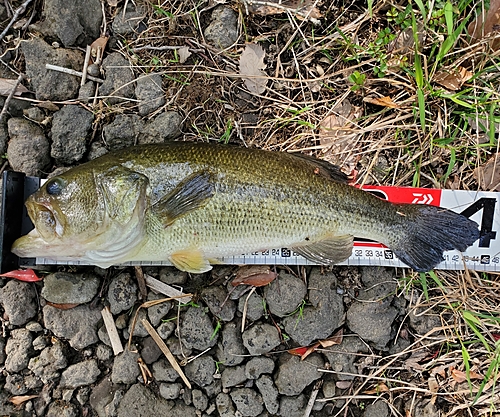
191, 203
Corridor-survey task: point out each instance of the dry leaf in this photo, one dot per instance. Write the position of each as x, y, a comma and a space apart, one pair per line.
382, 101
485, 24
184, 54
338, 138
252, 64
458, 376
99, 43
19, 399
461, 376
452, 78
303, 9
336, 339
48, 105
26, 275
7, 85
488, 175
254, 275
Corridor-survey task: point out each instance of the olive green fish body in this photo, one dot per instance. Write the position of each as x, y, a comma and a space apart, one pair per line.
191, 203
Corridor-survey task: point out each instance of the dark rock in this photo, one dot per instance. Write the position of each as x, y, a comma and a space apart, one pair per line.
103, 335
141, 401
19, 302
422, 408
371, 317
225, 406
323, 317
63, 287
96, 150
158, 311
124, 131
218, 302
62, 408
247, 401
150, 351
257, 366
165, 329
294, 374
18, 384
78, 324
47, 84
197, 330
200, 400
2, 350
343, 357
170, 391
46, 366
70, 128
119, 81
201, 370
377, 409
128, 22
102, 395
139, 329
125, 368
261, 338
149, 92
86, 92
80, 374
285, 294
231, 350
232, 376
178, 348
269, 393
292, 406
122, 293
34, 114
172, 276
163, 371
4, 138
73, 22
103, 352
422, 322
18, 350
28, 150
255, 306
213, 389
166, 126
222, 32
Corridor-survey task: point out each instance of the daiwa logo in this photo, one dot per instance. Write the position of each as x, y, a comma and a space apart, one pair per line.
420, 198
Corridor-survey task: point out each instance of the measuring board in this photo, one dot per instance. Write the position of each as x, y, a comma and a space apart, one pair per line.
480, 206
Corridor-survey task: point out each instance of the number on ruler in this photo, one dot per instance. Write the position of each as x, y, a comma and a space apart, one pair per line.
488, 206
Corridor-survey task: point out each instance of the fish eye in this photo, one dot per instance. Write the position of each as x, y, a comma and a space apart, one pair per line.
54, 186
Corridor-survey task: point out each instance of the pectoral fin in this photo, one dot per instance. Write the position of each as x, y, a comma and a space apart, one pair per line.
190, 194
190, 260
329, 251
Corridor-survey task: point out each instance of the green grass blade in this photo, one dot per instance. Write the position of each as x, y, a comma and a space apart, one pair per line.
448, 16
472, 321
421, 7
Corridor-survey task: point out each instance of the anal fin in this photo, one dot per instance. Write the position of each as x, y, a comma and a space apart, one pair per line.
190, 260
329, 251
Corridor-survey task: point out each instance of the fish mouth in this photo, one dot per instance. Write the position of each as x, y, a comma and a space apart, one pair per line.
46, 219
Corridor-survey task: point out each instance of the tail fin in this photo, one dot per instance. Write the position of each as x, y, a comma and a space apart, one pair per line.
428, 231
